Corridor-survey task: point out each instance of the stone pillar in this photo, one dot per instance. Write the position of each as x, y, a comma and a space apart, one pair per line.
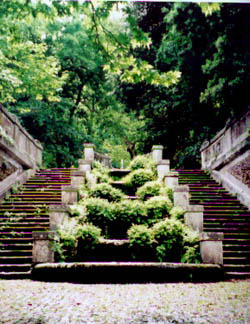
211, 247
181, 196
57, 216
77, 178
89, 151
69, 195
162, 168
194, 217
157, 151
171, 179
43, 247
85, 165
91, 179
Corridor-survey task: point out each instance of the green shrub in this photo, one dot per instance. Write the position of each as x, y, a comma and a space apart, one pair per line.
158, 207
191, 253
101, 172
168, 192
88, 237
138, 178
141, 242
99, 212
76, 210
149, 189
177, 213
127, 213
66, 246
142, 162
168, 235
106, 191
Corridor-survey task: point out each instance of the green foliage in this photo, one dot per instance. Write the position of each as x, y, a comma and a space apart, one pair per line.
100, 213
100, 172
142, 162
191, 249
106, 191
168, 235
158, 207
88, 236
149, 189
140, 242
177, 213
138, 178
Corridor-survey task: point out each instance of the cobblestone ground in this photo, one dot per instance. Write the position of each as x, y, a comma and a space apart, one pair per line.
29, 302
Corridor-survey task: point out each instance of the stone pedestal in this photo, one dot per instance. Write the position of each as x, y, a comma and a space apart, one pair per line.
157, 151
85, 165
43, 247
162, 168
77, 178
89, 151
181, 196
91, 179
69, 195
171, 179
194, 217
211, 247
57, 216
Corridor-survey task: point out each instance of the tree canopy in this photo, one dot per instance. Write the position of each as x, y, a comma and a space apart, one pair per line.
124, 76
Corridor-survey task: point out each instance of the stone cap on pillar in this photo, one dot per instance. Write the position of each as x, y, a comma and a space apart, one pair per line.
157, 147
82, 161
163, 162
194, 208
77, 173
183, 188
58, 208
89, 145
49, 235
69, 189
211, 236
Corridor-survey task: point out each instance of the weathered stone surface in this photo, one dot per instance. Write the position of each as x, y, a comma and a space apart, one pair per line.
181, 196
89, 151
211, 247
57, 216
162, 168
171, 179
77, 178
69, 195
42, 247
194, 217
157, 152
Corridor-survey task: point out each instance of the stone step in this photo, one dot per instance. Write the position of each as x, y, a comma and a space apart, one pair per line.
15, 275
25, 267
16, 246
13, 253
15, 260
236, 260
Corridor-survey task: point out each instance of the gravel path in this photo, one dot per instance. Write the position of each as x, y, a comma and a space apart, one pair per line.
29, 302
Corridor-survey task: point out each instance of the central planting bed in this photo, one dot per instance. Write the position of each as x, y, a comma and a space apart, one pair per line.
130, 219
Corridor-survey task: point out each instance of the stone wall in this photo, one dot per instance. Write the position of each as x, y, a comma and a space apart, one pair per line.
227, 157
20, 153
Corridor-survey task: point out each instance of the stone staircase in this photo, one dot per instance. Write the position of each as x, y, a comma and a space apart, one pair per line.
25, 212
222, 213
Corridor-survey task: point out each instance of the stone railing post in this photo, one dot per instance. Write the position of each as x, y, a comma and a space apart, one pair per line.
171, 179
69, 195
162, 168
89, 151
181, 196
77, 178
157, 151
211, 247
57, 216
85, 165
43, 247
194, 217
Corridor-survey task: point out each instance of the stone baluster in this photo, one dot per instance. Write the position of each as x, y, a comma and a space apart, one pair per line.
157, 152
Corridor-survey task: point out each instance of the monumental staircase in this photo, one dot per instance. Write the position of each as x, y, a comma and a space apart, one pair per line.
222, 213
25, 212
